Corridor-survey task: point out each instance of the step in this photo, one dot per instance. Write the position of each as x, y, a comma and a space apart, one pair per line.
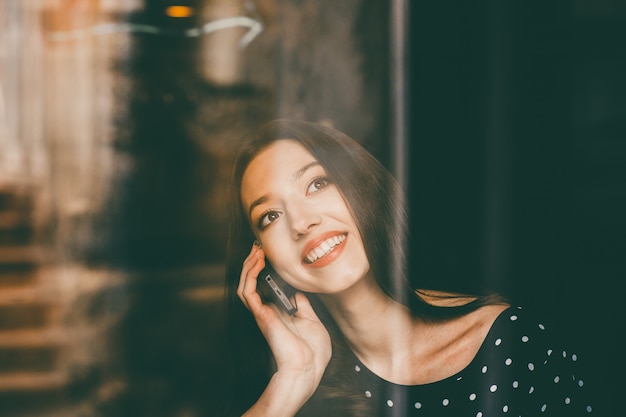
19, 278
27, 316
22, 259
14, 219
30, 338
22, 255
29, 359
17, 236
16, 228
39, 293
16, 197
37, 276
34, 381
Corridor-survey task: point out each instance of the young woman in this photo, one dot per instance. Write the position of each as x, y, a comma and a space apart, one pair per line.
329, 218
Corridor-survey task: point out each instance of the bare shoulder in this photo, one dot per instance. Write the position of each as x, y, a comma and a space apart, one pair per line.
475, 324
443, 298
469, 331
457, 340
454, 343
483, 318
450, 299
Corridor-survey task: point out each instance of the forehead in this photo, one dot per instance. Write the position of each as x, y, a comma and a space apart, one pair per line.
273, 166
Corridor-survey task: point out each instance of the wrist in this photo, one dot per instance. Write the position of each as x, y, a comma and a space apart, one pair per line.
303, 382
285, 394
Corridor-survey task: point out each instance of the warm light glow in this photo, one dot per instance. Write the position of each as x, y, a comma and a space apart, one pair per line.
179, 11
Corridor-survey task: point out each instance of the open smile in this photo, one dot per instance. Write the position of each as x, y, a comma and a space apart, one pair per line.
323, 247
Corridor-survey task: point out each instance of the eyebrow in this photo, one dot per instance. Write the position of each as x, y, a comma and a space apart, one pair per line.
298, 174
255, 203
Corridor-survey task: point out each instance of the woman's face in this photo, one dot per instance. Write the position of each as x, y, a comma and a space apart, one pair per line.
302, 221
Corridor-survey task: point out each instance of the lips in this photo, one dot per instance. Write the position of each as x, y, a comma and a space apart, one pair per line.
318, 249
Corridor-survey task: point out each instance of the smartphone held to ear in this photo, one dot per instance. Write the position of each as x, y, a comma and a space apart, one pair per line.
273, 289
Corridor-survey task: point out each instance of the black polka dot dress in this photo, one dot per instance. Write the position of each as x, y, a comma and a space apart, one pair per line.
518, 371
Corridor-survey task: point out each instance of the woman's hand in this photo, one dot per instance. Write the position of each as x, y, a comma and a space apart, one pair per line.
300, 343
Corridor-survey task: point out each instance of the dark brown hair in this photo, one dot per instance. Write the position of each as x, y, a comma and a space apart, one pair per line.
378, 208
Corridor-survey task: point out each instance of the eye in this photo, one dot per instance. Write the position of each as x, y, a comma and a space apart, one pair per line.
267, 218
317, 184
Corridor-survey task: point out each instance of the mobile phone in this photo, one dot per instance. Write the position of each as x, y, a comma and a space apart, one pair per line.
273, 289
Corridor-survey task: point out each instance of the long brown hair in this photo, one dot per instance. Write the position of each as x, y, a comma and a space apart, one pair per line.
378, 207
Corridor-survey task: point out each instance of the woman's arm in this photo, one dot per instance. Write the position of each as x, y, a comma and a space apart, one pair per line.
285, 394
300, 345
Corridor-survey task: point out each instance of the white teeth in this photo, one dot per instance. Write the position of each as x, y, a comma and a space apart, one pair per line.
324, 248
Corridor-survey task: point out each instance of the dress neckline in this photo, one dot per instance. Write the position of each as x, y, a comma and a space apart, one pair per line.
362, 369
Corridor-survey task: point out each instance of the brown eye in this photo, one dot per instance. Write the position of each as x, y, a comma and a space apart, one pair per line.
267, 218
317, 184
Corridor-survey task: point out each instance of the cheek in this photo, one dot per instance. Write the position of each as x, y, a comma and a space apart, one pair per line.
287, 275
276, 253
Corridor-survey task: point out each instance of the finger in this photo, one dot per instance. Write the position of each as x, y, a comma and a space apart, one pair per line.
248, 263
250, 282
249, 294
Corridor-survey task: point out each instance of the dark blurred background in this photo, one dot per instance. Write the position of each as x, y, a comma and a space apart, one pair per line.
518, 172
119, 120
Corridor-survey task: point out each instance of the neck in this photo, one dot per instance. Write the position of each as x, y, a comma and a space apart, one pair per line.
379, 330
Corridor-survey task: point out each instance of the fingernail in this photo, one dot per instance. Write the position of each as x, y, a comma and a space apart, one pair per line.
257, 243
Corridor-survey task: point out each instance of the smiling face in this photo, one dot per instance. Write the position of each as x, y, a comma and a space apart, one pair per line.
302, 220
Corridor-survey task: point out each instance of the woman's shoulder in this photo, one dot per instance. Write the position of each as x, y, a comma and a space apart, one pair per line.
517, 326
520, 330
452, 344
522, 367
466, 330
444, 298
525, 354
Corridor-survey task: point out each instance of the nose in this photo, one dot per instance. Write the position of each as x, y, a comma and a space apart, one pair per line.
302, 219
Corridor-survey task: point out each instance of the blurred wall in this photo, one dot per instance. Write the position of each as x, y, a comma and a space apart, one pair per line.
119, 120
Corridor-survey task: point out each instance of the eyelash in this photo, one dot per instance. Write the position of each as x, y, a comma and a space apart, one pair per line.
325, 183
263, 216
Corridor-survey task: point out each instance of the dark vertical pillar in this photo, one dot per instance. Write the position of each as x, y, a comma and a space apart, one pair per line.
517, 145
449, 43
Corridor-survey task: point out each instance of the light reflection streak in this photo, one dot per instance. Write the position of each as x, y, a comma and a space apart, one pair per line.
255, 27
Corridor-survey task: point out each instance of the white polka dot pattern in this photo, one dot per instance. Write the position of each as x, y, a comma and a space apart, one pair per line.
514, 373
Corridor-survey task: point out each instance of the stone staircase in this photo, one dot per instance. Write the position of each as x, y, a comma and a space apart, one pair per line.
54, 320
31, 339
